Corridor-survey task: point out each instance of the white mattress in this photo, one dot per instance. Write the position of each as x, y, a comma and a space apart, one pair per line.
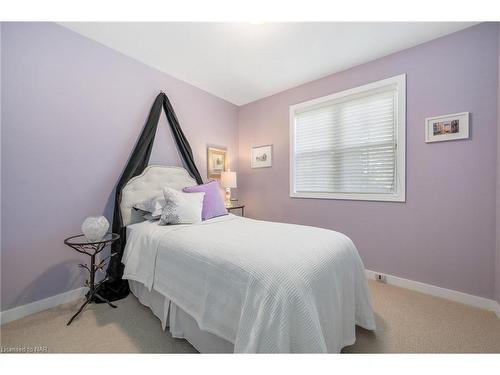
262, 286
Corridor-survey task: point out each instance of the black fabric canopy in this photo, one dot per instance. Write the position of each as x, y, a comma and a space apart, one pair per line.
115, 288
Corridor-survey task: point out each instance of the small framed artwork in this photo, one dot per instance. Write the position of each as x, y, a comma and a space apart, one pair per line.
216, 162
447, 128
262, 156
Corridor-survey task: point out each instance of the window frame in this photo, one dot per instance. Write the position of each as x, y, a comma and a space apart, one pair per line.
399, 194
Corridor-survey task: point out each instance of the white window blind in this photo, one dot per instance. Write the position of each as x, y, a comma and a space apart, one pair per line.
346, 146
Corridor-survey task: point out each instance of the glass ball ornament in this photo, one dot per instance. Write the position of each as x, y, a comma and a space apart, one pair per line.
94, 228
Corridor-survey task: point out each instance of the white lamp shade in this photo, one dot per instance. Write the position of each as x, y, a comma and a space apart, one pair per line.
228, 179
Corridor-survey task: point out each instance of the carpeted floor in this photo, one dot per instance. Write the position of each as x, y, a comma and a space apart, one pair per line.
407, 322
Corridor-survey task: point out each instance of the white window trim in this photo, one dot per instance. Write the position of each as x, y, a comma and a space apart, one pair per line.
399, 194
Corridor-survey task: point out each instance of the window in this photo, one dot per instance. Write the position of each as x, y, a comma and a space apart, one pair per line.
350, 145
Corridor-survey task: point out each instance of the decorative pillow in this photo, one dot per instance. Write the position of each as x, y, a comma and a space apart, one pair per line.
148, 216
153, 205
181, 208
213, 204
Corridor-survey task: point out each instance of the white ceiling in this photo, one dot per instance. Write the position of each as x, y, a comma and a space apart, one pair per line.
243, 62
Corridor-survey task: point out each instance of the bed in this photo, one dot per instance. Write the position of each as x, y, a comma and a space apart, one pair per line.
234, 284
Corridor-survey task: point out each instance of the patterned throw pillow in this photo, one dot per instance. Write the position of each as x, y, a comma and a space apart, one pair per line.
181, 208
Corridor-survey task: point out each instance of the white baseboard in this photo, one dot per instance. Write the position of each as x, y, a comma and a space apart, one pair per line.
449, 294
43, 304
497, 310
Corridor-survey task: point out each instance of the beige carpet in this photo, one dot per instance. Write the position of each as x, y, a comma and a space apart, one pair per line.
407, 322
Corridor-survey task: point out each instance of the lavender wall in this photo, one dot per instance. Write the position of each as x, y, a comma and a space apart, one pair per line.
445, 233
497, 263
1, 23
71, 111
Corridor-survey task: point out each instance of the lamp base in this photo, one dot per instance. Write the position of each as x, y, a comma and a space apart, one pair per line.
228, 197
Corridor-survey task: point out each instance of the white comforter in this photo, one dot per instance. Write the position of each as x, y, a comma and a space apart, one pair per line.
264, 286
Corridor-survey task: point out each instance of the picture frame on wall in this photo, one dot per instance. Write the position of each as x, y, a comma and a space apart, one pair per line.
262, 156
216, 162
447, 127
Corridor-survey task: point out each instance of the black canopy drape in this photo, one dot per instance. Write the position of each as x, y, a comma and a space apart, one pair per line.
115, 288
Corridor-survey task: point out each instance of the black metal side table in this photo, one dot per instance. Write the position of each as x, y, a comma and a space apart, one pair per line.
82, 245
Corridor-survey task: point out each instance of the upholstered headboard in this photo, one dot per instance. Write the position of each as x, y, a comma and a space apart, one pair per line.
149, 184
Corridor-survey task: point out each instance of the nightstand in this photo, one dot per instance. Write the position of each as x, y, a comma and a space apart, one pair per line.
81, 244
237, 208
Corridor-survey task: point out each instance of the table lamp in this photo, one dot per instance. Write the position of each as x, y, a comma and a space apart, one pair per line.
228, 181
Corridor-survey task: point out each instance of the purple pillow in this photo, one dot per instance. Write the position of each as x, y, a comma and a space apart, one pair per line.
213, 205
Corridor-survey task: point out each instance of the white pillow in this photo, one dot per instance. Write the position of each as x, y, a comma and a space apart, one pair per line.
181, 208
153, 205
148, 216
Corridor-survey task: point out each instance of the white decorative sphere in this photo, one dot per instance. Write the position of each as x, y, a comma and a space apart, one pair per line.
94, 228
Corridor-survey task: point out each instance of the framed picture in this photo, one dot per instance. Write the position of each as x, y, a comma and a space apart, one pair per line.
447, 128
216, 162
262, 156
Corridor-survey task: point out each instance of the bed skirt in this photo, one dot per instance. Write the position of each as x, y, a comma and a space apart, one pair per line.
179, 323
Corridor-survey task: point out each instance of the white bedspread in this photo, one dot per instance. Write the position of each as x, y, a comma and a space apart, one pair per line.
264, 286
